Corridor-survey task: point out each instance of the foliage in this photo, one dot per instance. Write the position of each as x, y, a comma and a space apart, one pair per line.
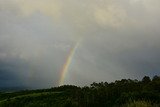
121, 93
140, 104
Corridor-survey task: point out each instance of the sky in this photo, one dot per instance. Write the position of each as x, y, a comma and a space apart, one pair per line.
47, 43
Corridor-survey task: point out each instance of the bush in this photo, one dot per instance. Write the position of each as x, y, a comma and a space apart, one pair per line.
140, 104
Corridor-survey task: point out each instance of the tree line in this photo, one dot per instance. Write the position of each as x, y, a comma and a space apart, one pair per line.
121, 93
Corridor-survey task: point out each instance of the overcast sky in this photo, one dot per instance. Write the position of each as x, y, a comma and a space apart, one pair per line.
119, 39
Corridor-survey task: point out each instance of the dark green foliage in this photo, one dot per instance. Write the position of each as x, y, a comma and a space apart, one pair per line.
121, 93
140, 104
146, 80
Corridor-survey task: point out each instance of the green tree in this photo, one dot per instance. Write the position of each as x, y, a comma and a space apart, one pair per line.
146, 80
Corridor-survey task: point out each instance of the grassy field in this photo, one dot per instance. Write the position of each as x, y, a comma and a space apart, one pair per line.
38, 99
53, 99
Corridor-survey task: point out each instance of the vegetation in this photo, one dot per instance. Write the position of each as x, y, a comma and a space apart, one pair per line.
140, 104
121, 93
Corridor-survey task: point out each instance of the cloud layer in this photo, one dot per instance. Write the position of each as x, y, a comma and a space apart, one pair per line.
120, 39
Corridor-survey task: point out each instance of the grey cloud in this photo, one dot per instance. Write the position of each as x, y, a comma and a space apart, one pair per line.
120, 39
35, 41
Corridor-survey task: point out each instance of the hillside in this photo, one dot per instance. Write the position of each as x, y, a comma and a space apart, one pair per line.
121, 93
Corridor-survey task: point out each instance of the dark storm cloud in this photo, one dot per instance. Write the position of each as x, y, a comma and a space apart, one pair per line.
8, 70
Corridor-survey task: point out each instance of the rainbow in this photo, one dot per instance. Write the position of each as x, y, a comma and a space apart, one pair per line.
67, 63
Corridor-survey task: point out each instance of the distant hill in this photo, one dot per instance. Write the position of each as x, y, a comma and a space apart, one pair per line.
121, 93
12, 89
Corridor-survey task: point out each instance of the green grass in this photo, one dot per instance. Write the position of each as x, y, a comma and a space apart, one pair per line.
42, 99
140, 104
29, 95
